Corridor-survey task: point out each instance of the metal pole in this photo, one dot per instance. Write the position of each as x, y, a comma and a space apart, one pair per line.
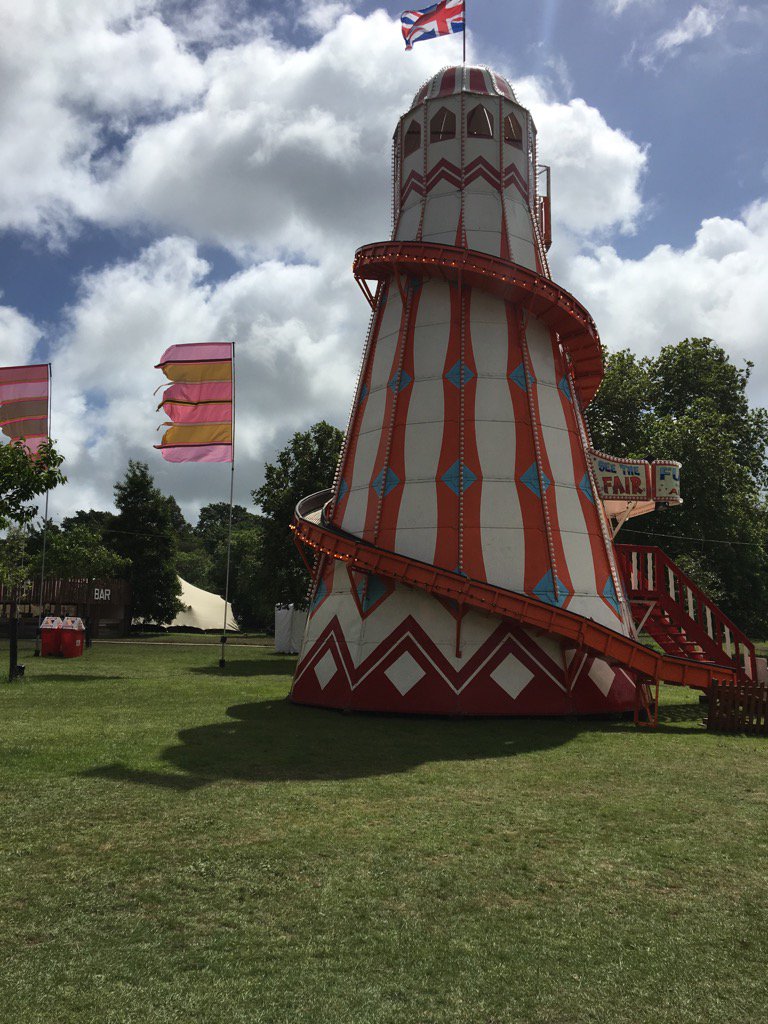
45, 527
222, 659
464, 35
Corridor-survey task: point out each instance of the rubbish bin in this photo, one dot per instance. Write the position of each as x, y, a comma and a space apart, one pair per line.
72, 636
50, 635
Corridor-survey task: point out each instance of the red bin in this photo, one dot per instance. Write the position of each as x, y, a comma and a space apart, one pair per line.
50, 635
72, 637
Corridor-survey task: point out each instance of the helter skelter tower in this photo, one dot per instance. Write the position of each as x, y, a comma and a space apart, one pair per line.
464, 531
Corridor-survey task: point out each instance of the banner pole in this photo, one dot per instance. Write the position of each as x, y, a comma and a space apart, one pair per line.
45, 527
222, 659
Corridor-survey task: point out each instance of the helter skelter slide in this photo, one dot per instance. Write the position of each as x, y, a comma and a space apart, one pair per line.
465, 561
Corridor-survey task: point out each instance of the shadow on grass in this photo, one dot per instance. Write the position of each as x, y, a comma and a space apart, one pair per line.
73, 677
274, 740
280, 741
236, 668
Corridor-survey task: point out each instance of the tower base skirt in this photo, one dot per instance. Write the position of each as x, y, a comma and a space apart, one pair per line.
385, 648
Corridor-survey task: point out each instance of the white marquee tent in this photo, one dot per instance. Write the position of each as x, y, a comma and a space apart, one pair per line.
202, 610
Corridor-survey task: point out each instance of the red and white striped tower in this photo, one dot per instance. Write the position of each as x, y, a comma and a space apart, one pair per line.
467, 450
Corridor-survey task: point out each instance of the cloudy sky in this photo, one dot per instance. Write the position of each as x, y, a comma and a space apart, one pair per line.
200, 171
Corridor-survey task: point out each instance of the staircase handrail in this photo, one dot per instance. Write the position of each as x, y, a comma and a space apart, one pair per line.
659, 590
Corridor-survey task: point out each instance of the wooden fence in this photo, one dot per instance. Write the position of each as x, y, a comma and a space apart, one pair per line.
739, 707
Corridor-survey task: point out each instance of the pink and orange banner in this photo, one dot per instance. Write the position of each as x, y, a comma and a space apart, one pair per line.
24, 396
198, 402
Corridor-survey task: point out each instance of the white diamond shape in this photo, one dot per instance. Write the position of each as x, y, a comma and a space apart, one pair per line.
325, 669
602, 675
405, 673
512, 676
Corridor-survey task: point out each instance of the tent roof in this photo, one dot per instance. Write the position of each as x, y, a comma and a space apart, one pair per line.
203, 609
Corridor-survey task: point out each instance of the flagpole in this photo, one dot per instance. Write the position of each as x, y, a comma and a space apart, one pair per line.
222, 659
45, 527
464, 35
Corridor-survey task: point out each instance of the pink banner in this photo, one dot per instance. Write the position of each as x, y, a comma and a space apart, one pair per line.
197, 453
13, 374
207, 412
14, 392
211, 391
196, 353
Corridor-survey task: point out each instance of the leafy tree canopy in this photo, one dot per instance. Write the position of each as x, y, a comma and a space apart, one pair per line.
213, 523
306, 464
690, 403
145, 533
24, 478
76, 552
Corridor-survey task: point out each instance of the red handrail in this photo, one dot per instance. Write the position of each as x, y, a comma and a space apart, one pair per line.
311, 529
647, 578
548, 302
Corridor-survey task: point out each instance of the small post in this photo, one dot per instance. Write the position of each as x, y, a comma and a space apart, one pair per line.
222, 658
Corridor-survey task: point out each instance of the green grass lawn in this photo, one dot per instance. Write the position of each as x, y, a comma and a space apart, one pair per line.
180, 844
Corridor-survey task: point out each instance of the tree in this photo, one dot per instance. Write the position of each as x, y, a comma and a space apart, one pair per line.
213, 523
690, 403
306, 464
144, 533
23, 477
75, 552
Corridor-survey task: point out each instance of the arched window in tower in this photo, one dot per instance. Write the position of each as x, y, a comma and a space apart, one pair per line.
442, 126
412, 138
480, 123
513, 133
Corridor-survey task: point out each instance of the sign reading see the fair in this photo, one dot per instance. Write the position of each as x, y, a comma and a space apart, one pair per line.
617, 479
636, 481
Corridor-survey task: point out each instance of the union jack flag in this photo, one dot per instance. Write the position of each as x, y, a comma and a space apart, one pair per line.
441, 19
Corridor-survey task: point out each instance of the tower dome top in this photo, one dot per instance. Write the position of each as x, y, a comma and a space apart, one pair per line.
464, 78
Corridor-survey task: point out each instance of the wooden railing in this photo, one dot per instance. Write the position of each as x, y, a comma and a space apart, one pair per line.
651, 577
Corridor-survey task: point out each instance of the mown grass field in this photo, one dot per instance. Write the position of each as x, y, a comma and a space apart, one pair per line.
180, 844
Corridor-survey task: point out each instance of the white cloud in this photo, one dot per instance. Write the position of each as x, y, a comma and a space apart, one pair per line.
597, 170
619, 6
699, 23
69, 73
321, 17
715, 288
298, 332
294, 159
18, 337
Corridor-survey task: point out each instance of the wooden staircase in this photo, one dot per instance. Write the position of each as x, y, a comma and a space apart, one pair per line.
668, 606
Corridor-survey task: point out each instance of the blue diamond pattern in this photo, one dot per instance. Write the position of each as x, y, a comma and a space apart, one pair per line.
518, 376
531, 480
385, 482
563, 385
343, 488
610, 595
458, 473
320, 595
586, 488
369, 595
454, 375
398, 384
545, 590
